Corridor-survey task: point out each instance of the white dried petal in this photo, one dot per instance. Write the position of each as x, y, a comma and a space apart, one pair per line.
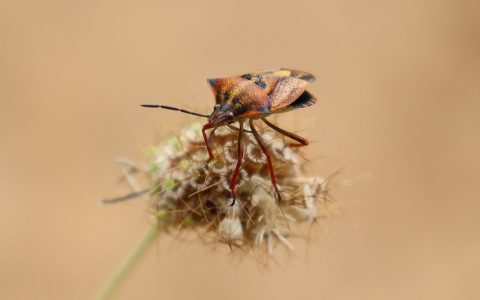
179, 175
301, 214
197, 183
260, 195
290, 156
267, 137
259, 158
230, 152
282, 239
232, 211
199, 156
241, 180
171, 151
161, 165
223, 131
217, 167
260, 180
276, 147
230, 228
174, 193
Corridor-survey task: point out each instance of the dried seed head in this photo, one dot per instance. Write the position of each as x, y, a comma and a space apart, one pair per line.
188, 191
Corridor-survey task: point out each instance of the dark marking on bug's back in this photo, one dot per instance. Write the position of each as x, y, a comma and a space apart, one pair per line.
247, 76
223, 97
238, 107
259, 81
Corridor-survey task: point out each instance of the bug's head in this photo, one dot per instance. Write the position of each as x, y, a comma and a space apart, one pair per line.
222, 114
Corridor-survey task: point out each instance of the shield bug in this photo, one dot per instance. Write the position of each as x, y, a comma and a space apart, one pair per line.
250, 97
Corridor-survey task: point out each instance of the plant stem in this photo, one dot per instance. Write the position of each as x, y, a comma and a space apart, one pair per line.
124, 269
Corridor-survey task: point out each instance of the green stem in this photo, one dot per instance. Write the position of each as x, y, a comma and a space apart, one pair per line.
116, 280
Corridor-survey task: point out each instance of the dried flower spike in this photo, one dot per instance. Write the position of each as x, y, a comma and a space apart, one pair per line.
187, 190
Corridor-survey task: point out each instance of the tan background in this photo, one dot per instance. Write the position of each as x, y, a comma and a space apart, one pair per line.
398, 85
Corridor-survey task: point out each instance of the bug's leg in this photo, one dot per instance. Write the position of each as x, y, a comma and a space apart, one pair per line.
236, 129
205, 138
267, 154
300, 140
233, 182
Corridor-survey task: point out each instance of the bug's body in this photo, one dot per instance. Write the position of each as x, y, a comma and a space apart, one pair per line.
256, 95
253, 96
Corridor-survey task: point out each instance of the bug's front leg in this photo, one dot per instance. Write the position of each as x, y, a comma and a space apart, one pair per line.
206, 139
269, 160
233, 181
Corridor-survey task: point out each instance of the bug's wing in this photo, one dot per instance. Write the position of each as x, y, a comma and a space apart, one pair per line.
286, 92
281, 73
305, 99
284, 87
300, 75
267, 80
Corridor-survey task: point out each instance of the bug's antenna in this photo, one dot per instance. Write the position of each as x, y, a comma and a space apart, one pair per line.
174, 108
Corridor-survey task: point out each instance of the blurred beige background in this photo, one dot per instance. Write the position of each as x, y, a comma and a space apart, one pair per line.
398, 86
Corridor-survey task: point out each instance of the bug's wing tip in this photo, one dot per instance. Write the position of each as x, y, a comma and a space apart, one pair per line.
308, 77
300, 74
306, 99
303, 76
